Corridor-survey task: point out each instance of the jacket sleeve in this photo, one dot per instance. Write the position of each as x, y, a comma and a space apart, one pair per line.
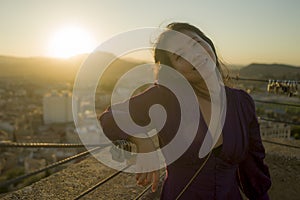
253, 173
139, 106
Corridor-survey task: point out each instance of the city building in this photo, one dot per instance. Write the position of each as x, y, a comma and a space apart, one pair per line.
57, 107
277, 130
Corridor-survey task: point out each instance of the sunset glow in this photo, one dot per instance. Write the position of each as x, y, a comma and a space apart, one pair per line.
70, 41
243, 32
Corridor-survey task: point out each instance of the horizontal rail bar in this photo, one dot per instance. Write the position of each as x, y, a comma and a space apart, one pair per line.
4, 144
19, 178
282, 144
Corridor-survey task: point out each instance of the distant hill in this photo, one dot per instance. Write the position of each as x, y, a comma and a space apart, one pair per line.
271, 71
57, 69
39, 67
66, 69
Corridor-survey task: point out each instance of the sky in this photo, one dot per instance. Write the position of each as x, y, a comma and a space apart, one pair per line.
244, 32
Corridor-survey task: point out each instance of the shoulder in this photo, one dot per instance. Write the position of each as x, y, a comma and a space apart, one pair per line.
242, 96
154, 94
156, 91
244, 103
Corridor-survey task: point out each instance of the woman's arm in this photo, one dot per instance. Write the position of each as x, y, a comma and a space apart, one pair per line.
253, 173
139, 107
139, 111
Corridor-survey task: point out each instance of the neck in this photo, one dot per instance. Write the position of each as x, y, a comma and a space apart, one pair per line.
201, 91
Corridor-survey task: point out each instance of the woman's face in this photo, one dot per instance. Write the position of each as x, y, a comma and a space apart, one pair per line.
202, 58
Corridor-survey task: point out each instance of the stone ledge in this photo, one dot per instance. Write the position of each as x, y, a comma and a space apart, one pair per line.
283, 162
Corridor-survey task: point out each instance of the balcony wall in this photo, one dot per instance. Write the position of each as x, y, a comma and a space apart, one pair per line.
283, 162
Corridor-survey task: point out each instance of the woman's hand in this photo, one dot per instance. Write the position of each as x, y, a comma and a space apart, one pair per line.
147, 165
143, 179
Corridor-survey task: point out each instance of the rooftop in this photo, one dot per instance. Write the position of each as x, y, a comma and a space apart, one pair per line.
283, 162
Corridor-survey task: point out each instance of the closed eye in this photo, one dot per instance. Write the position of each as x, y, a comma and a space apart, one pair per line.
177, 57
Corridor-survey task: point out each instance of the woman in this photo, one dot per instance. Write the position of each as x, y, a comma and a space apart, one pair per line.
236, 161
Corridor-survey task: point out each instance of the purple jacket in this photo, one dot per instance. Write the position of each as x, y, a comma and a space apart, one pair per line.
236, 164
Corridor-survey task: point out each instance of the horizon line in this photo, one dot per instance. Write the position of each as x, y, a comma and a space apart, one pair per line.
131, 58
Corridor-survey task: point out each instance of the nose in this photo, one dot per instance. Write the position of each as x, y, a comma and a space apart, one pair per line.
197, 54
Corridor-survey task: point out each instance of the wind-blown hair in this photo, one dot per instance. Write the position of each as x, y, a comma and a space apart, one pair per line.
161, 56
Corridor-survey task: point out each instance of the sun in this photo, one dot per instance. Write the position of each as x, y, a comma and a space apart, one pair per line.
70, 41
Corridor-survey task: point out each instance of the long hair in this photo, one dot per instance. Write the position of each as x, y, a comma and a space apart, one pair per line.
161, 56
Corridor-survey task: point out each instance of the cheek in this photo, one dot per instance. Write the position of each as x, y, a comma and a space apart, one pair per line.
182, 65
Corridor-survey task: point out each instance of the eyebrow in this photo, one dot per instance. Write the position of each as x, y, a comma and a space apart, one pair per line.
177, 51
195, 38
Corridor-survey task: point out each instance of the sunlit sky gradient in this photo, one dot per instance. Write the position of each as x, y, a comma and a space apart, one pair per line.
266, 31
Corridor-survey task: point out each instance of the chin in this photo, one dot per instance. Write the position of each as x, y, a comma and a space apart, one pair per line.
196, 81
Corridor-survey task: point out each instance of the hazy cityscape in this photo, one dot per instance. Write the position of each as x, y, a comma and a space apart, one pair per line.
51, 93
38, 110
